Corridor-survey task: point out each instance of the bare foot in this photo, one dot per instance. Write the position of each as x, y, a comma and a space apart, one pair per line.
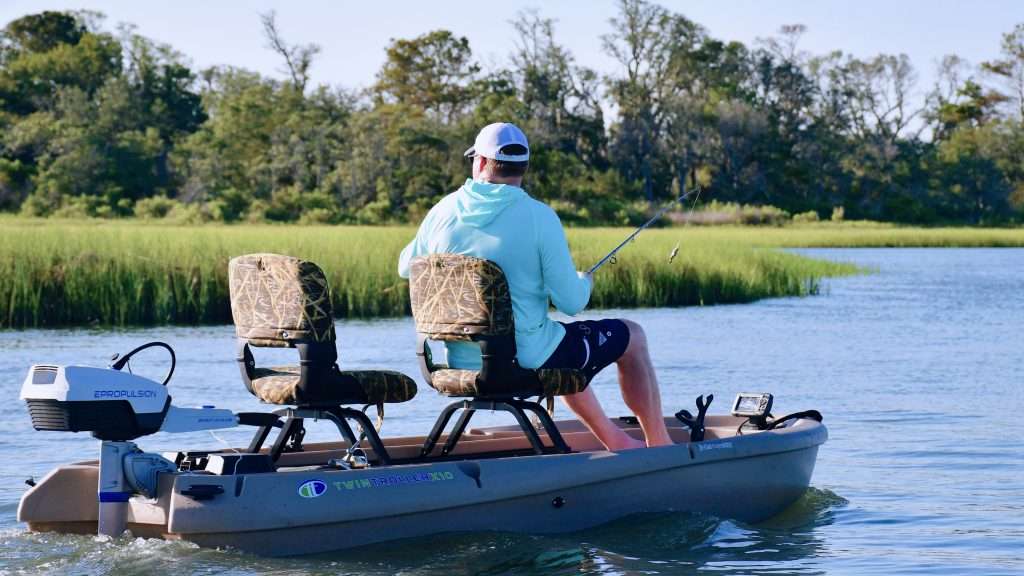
666, 441
626, 442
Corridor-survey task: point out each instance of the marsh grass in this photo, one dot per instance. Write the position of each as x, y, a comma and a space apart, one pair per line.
709, 268
73, 273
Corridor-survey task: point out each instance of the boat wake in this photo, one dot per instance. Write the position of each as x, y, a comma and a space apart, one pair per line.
816, 507
50, 553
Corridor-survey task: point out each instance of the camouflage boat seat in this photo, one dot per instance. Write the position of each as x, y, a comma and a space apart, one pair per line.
463, 298
284, 302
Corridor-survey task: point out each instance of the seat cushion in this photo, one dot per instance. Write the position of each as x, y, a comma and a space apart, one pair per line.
279, 385
553, 382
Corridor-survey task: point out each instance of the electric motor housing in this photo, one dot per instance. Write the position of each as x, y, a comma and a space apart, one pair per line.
111, 404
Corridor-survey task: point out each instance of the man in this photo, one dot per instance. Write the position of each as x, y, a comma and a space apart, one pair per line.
492, 217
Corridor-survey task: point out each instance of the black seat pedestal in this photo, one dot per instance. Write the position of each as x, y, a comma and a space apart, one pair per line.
516, 407
292, 430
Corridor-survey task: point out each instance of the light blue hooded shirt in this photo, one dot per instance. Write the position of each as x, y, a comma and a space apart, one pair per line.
523, 236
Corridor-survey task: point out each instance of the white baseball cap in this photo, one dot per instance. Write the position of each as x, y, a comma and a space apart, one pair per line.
493, 137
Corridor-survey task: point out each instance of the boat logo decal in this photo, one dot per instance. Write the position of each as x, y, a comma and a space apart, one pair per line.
312, 488
124, 394
714, 446
396, 480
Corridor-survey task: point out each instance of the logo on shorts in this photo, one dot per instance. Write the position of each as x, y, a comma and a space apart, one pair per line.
601, 339
312, 488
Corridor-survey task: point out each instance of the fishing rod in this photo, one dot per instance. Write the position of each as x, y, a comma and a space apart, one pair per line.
610, 257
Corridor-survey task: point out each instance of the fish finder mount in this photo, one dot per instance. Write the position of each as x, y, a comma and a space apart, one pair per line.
756, 407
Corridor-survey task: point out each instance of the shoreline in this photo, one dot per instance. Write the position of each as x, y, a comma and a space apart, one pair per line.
63, 274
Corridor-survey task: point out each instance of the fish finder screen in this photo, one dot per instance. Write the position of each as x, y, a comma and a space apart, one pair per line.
748, 404
752, 405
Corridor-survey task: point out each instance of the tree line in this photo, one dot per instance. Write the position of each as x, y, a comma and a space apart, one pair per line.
106, 123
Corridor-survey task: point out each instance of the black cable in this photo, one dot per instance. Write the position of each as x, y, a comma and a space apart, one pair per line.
123, 360
812, 414
739, 430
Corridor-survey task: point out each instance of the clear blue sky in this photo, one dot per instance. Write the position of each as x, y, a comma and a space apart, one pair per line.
353, 34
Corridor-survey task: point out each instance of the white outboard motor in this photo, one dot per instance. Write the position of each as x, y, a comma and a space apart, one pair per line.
111, 404
116, 407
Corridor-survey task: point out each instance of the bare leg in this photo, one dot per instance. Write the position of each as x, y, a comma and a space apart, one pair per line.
640, 387
589, 411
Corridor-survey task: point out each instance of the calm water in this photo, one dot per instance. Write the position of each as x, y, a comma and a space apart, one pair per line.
917, 369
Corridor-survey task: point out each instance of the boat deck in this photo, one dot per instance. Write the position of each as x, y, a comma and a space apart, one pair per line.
498, 441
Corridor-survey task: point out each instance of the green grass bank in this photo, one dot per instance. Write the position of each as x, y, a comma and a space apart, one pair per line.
74, 273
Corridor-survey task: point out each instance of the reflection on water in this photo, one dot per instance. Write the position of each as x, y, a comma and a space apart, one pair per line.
916, 369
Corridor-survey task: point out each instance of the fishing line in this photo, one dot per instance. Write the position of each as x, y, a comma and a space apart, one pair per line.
610, 257
689, 215
224, 442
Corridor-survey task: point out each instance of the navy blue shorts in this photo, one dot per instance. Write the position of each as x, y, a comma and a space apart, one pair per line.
590, 346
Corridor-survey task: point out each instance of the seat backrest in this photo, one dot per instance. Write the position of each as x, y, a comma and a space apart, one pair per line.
283, 302
464, 298
457, 297
280, 300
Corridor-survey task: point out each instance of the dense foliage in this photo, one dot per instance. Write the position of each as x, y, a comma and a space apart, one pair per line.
108, 124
